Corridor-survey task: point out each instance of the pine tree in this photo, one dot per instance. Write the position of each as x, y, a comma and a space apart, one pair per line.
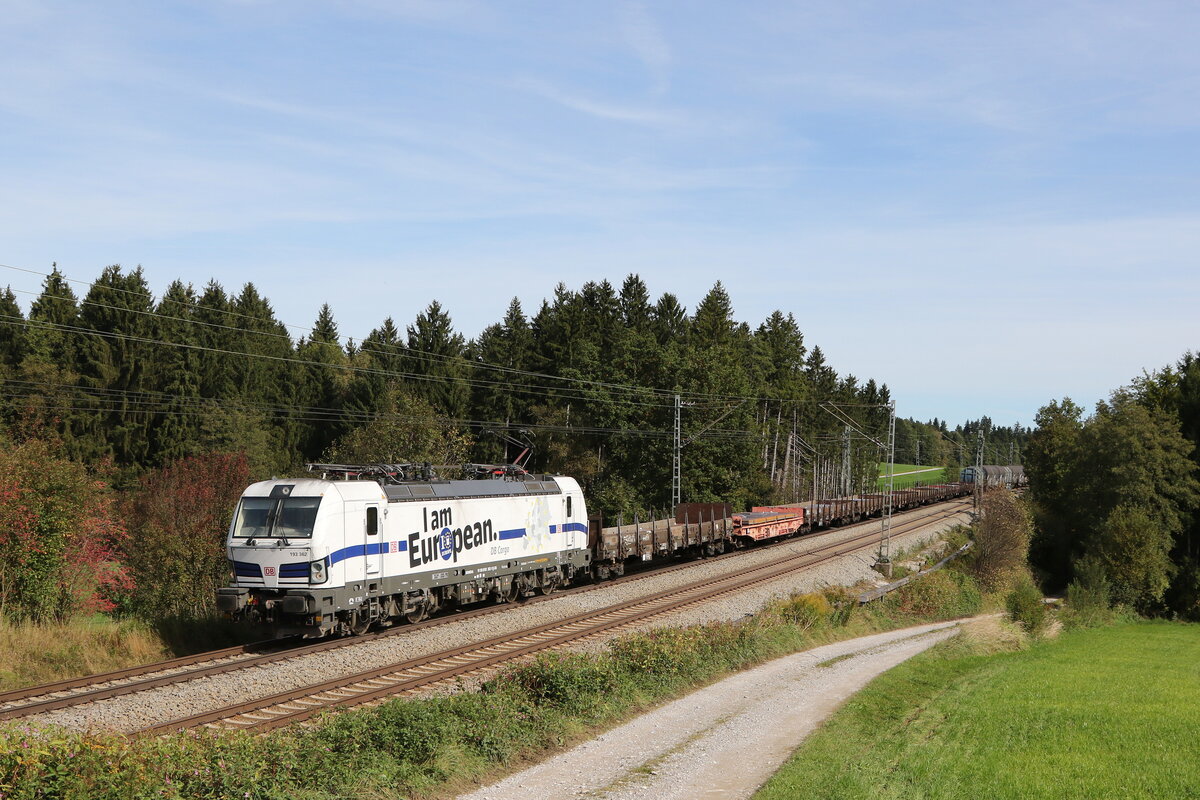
636, 312
216, 334
713, 323
323, 384
378, 362
175, 371
437, 352
12, 333
47, 363
720, 361
111, 361
508, 344
265, 380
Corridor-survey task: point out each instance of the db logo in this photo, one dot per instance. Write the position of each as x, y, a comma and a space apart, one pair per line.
269, 572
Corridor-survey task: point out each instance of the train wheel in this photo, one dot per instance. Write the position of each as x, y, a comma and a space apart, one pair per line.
359, 623
417, 614
513, 593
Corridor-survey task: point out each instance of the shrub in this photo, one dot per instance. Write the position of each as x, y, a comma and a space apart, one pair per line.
571, 681
805, 610
842, 603
179, 517
831, 607
660, 658
1089, 596
1136, 552
1026, 608
945, 593
60, 535
1001, 539
731, 645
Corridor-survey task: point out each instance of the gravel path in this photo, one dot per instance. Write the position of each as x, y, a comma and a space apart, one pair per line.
131, 712
723, 741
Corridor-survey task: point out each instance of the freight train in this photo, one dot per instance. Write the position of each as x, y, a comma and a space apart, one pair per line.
381, 544
993, 476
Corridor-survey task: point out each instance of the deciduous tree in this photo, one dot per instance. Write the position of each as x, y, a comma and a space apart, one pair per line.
179, 518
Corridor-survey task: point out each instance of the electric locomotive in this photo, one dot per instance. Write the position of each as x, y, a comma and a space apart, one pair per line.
385, 543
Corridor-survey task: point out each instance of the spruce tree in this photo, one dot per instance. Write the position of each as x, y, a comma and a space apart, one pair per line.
437, 353
111, 360
175, 372
323, 384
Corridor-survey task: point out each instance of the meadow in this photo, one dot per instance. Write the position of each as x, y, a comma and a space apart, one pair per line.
1097, 713
919, 476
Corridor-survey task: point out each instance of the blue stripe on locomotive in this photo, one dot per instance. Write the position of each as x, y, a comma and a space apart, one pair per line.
373, 549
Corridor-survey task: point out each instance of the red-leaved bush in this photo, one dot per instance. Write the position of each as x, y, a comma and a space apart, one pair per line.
179, 517
60, 536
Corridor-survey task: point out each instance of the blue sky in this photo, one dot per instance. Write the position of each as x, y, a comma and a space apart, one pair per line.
984, 204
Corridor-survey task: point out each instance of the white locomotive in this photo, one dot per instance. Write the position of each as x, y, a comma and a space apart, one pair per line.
315, 557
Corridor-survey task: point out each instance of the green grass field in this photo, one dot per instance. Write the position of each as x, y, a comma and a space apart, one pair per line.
1101, 713
899, 481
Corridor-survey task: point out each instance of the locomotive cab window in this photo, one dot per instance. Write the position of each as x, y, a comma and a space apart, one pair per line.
287, 518
568, 505
296, 518
372, 520
253, 516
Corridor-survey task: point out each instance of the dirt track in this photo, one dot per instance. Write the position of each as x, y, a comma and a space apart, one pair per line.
722, 741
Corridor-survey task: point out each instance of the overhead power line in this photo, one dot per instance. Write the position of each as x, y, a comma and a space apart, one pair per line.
415, 376
154, 403
403, 350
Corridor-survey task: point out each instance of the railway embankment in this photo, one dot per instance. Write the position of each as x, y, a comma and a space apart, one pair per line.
355, 667
439, 744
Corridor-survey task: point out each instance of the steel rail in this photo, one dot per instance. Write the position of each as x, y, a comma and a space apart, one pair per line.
202, 668
297, 705
15, 695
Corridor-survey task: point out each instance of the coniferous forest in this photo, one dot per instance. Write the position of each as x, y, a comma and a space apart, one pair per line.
132, 422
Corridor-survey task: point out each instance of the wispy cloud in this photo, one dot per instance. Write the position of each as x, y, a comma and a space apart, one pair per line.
1037, 68
644, 36
650, 116
439, 11
829, 154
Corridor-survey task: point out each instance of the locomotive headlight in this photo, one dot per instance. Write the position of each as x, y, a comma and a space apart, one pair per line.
316, 572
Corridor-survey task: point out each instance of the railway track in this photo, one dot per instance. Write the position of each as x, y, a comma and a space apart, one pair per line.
18, 703
368, 686
373, 685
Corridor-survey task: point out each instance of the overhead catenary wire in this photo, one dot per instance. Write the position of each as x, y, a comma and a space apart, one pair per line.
415, 376
166, 410
403, 350
166, 403
400, 350
475, 383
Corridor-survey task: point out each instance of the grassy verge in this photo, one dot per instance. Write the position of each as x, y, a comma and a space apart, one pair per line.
435, 746
31, 654
1097, 713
